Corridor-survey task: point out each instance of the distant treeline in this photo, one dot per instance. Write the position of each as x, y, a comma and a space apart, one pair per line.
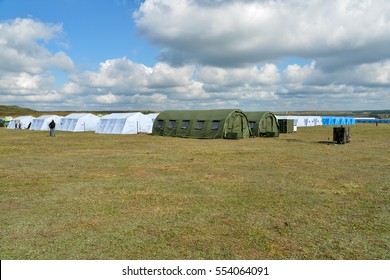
378, 114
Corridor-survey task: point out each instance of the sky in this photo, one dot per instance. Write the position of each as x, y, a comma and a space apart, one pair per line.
265, 55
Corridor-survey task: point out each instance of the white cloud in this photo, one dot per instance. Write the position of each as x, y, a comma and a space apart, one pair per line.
121, 83
125, 81
162, 75
62, 61
44, 97
26, 64
374, 73
108, 98
24, 83
120, 73
240, 32
20, 50
51, 97
267, 74
215, 54
295, 73
71, 88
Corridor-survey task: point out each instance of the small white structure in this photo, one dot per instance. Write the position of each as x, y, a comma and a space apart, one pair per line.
124, 123
78, 122
21, 122
314, 121
318, 121
301, 121
42, 122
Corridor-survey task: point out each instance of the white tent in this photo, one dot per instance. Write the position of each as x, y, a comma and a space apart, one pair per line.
123, 123
300, 121
147, 123
23, 120
42, 122
314, 121
79, 122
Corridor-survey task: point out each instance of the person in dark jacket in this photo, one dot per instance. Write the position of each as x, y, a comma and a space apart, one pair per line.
52, 126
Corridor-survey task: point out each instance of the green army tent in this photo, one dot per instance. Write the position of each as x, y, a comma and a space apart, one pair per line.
209, 124
263, 124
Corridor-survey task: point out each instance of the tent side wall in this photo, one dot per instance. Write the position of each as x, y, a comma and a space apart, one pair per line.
78, 122
42, 122
120, 123
146, 123
208, 124
132, 125
88, 122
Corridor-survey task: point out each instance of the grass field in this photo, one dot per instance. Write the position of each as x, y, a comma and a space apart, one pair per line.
91, 196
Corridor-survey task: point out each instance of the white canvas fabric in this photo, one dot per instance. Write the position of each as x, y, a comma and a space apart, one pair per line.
123, 123
23, 120
42, 122
301, 121
317, 121
147, 123
79, 122
314, 121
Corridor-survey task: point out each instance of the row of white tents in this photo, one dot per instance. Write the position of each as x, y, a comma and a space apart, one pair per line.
116, 123
302, 121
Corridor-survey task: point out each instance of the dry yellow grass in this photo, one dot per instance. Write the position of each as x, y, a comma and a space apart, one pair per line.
89, 196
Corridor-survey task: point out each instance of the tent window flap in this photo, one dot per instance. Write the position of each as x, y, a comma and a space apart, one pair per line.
215, 125
171, 124
185, 124
160, 124
199, 125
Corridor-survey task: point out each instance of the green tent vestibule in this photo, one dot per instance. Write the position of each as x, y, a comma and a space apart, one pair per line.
263, 124
202, 124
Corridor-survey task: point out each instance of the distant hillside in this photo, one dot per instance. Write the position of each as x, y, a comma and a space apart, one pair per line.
317, 113
15, 111
379, 114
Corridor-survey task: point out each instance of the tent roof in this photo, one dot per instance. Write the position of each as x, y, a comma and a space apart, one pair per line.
255, 116
197, 114
121, 115
23, 117
152, 115
78, 115
47, 117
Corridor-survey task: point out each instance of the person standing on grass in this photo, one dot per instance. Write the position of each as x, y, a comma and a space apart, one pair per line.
52, 126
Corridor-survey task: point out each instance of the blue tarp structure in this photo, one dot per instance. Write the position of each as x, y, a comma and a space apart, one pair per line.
373, 120
300, 121
331, 120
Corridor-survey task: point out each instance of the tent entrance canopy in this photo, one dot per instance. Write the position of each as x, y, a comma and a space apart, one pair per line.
202, 124
263, 124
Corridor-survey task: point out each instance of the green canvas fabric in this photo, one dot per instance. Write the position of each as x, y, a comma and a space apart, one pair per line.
265, 124
207, 124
